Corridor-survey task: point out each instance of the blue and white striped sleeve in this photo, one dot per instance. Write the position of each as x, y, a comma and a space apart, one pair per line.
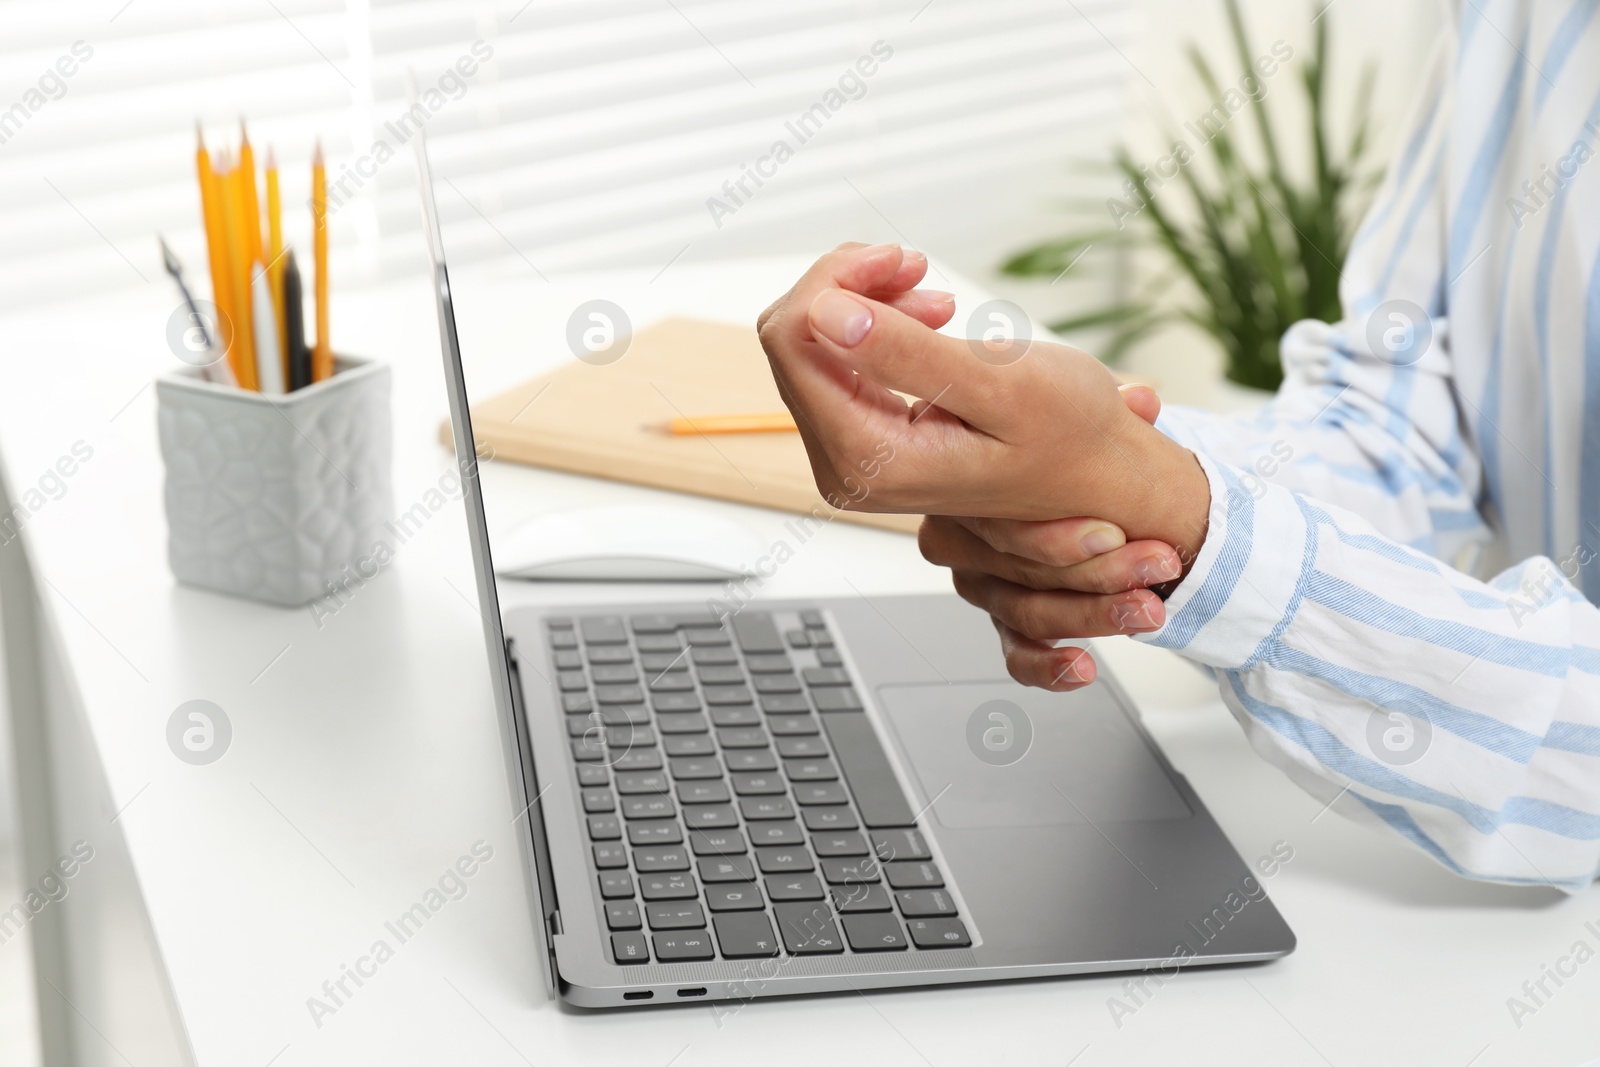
1461, 714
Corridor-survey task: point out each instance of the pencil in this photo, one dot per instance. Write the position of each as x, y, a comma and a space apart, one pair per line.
232, 198
216, 249
322, 355
690, 426
294, 325
275, 257
252, 206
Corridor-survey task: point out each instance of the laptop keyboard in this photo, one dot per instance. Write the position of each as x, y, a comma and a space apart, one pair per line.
739, 803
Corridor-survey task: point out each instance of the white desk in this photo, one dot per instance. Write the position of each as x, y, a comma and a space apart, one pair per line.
365, 760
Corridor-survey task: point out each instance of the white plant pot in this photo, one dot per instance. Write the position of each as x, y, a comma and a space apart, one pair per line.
271, 497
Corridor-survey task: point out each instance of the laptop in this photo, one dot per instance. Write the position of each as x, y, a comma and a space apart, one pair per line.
726, 802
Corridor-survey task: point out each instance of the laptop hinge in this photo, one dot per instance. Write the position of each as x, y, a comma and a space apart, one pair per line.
540, 844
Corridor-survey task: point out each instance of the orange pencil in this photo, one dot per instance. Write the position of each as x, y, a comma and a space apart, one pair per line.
322, 355
252, 206
216, 248
231, 187
275, 258
690, 426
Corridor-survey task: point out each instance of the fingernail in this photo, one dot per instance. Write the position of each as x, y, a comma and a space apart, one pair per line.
1134, 616
939, 295
1101, 538
1157, 569
840, 318
1079, 671
913, 256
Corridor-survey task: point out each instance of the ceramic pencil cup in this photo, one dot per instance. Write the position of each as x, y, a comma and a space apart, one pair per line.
271, 497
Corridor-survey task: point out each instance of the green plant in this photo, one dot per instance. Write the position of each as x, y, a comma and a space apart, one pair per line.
1263, 248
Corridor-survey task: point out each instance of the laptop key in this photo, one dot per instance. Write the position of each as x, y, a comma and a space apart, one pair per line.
777, 683
653, 806
849, 843
769, 663
844, 699
830, 657
859, 897
608, 654
602, 630
878, 932
613, 674
607, 857
751, 785
688, 769
629, 948
658, 643
784, 703
938, 933
711, 656
809, 793
674, 886
920, 903
719, 674
689, 745
656, 662
682, 723
622, 915
672, 682
792, 725
831, 819
629, 737
879, 798
810, 770
654, 832
743, 737
616, 885
599, 800
642, 782
717, 842
710, 817
683, 945
794, 887
703, 792
675, 916
725, 869
590, 774
808, 929
847, 870
675, 702
738, 896
661, 858
756, 633
702, 638
652, 624
642, 759
825, 676
719, 695
564, 639
739, 715
567, 659
920, 874
618, 694
576, 703
776, 833
758, 808
746, 935
604, 828
784, 860
799, 639
625, 715
802, 748
750, 759
580, 725
572, 681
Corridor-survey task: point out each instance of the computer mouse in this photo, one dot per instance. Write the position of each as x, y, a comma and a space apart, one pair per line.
627, 543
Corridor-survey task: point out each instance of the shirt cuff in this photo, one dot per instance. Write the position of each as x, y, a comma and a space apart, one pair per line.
1245, 584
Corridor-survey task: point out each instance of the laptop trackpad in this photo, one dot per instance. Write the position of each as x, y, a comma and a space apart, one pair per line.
996, 754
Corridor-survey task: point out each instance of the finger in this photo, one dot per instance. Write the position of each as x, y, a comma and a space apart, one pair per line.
891, 348
1053, 615
1142, 401
1043, 665
928, 306
1066, 543
858, 268
1139, 565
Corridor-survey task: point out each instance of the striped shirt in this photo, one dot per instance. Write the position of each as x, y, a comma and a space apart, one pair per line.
1397, 591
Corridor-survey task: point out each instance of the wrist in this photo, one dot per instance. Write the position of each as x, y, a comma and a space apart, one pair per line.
1175, 504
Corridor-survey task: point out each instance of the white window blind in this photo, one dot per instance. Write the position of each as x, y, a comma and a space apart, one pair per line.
566, 133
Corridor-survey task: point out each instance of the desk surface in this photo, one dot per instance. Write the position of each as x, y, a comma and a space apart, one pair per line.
365, 761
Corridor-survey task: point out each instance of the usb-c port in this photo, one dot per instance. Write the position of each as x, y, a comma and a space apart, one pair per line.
697, 991
644, 994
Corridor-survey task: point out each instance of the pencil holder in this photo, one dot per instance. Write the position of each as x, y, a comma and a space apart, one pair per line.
273, 497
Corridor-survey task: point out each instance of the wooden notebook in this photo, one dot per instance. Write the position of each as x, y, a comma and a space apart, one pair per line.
602, 421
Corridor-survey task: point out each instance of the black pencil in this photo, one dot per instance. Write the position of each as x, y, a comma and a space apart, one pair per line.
294, 325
